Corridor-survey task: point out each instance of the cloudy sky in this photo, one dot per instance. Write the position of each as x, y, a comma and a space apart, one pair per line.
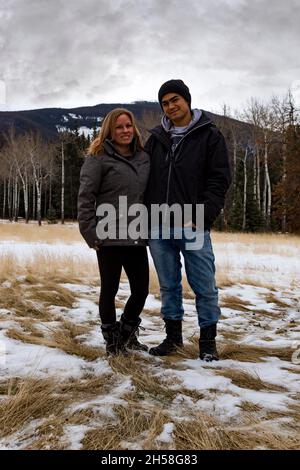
58, 53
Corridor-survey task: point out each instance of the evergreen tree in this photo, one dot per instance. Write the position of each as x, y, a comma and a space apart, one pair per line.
235, 216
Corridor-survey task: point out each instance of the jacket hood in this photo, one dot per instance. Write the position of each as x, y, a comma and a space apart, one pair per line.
167, 123
202, 119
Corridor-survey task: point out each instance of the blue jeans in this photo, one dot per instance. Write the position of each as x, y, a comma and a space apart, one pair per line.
200, 271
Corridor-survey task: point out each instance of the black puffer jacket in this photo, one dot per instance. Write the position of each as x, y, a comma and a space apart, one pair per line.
103, 179
198, 172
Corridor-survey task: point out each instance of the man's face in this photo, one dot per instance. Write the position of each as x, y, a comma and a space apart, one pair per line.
176, 109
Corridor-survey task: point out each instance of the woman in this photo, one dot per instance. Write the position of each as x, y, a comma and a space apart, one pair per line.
115, 166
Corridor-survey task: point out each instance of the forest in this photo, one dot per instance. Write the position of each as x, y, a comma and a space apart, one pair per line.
39, 178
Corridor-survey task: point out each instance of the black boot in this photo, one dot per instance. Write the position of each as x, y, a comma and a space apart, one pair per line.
172, 341
128, 334
207, 344
111, 334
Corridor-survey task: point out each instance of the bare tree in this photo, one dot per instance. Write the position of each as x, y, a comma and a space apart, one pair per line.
8, 174
64, 137
245, 188
4, 177
16, 150
262, 118
62, 183
252, 115
39, 155
283, 110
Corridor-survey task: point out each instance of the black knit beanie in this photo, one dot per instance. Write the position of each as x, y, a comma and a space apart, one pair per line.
175, 86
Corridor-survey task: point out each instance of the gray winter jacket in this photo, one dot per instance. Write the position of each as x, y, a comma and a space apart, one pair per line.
103, 178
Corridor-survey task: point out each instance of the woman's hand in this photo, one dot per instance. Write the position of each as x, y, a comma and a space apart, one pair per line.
97, 245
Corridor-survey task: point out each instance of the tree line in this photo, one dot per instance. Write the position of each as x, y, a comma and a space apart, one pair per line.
39, 179
264, 148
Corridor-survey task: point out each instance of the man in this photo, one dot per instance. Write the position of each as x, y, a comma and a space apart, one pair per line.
189, 165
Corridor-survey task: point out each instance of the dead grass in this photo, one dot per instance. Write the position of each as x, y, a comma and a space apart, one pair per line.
143, 379
74, 329
197, 434
7, 266
248, 353
46, 232
154, 312
224, 278
229, 350
32, 296
13, 299
143, 418
49, 435
270, 241
266, 313
194, 394
29, 399
70, 233
159, 419
235, 303
190, 350
46, 399
31, 326
232, 334
249, 407
292, 371
54, 268
205, 433
248, 280
272, 299
53, 294
63, 338
138, 420
86, 386
251, 381
275, 415
294, 412
153, 282
130, 423
63, 268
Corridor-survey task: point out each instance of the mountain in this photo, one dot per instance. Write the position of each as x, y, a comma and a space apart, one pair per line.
49, 121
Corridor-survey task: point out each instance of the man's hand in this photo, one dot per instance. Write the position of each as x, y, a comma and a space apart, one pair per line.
189, 224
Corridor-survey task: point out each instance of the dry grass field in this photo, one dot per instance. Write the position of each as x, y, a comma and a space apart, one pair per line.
58, 390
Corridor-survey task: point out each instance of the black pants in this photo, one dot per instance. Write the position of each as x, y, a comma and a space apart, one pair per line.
111, 260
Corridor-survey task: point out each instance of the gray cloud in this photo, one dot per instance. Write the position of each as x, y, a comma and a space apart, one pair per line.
89, 51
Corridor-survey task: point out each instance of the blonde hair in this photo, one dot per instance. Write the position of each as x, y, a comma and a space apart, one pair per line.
106, 131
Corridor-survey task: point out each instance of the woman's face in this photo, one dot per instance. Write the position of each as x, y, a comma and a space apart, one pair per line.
123, 132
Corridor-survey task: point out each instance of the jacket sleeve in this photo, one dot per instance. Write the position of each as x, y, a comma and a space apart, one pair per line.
148, 147
90, 181
218, 177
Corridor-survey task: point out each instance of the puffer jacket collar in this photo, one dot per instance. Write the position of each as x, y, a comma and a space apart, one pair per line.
112, 152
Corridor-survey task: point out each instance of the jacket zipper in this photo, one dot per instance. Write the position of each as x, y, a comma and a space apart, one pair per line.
171, 155
192, 130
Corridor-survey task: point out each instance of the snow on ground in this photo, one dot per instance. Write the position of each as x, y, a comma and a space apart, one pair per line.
26, 251
264, 323
281, 269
